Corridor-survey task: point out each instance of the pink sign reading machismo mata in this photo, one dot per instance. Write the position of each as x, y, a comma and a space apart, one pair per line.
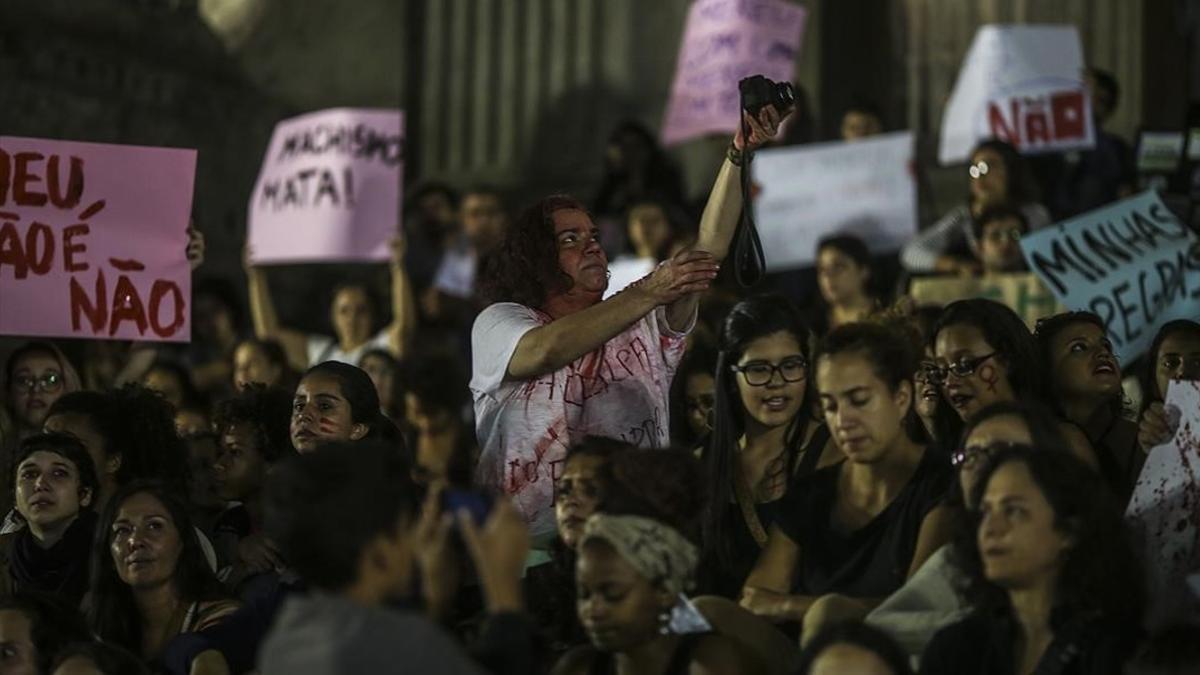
93, 240
329, 189
723, 42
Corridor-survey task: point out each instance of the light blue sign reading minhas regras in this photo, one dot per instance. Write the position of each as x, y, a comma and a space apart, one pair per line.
1134, 264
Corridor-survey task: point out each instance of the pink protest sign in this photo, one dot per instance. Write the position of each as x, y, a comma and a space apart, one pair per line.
329, 188
723, 42
93, 240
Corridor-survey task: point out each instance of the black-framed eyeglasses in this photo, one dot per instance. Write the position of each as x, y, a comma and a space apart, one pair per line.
759, 373
49, 383
963, 367
970, 456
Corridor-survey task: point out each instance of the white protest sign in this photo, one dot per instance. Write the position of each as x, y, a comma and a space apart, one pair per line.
804, 193
1164, 512
329, 189
1022, 84
723, 42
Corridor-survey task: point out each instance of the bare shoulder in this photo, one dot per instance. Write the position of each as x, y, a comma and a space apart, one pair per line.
578, 661
718, 655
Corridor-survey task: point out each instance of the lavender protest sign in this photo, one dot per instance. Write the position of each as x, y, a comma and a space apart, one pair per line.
723, 42
93, 240
329, 188
1164, 512
1022, 84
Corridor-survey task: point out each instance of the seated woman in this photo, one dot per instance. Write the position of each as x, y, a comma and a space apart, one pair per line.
652, 234
384, 371
442, 442
630, 573
845, 283
1085, 380
337, 402
998, 175
693, 395
930, 599
764, 435
253, 433
33, 628
55, 488
150, 579
1174, 355
984, 354
550, 588
1053, 581
851, 534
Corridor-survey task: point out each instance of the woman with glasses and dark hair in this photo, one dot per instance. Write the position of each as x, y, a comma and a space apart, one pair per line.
35, 376
930, 599
764, 435
852, 533
984, 354
998, 175
1174, 355
1051, 577
1085, 382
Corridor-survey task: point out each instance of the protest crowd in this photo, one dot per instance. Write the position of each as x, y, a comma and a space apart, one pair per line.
562, 438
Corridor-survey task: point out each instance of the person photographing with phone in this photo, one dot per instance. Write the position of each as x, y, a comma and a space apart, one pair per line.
553, 362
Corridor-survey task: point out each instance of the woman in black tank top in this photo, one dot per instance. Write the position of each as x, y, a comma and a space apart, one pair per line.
764, 435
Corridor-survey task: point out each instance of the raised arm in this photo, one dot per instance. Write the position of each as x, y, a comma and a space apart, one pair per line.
767, 591
266, 321
724, 207
404, 312
547, 348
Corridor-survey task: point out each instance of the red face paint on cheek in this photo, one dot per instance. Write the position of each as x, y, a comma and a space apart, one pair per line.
989, 376
326, 425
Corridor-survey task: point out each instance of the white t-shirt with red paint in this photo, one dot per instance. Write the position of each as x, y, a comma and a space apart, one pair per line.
524, 427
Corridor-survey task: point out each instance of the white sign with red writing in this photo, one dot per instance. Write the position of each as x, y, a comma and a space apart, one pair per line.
1022, 84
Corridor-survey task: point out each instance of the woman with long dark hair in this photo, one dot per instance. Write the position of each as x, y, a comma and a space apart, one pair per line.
998, 175
852, 533
764, 435
336, 401
1052, 578
984, 354
150, 579
1085, 383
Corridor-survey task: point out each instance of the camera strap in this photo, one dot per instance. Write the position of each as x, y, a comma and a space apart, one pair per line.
749, 262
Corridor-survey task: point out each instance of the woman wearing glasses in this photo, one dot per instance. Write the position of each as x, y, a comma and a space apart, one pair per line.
998, 175
764, 435
35, 376
852, 533
1085, 380
930, 599
1174, 355
1051, 577
984, 354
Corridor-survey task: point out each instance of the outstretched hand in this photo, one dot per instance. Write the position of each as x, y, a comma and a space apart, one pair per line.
763, 128
685, 273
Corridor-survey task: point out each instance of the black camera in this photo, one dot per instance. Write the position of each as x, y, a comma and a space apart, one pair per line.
758, 92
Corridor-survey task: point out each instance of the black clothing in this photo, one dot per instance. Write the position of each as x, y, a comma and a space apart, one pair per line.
873, 561
983, 644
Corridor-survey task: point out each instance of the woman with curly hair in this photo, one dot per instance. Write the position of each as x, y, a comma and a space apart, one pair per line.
1085, 379
554, 362
1053, 581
